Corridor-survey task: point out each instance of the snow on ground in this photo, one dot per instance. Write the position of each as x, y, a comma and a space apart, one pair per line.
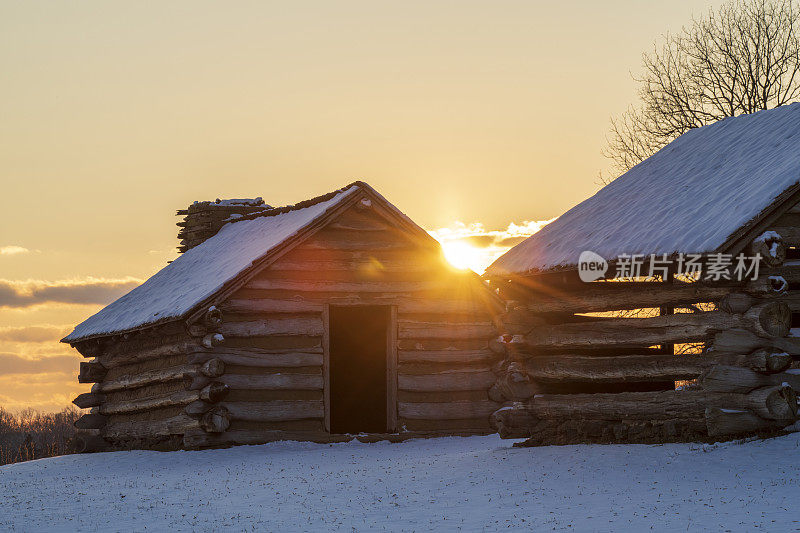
475, 483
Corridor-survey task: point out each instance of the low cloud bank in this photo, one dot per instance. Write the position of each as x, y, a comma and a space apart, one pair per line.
89, 291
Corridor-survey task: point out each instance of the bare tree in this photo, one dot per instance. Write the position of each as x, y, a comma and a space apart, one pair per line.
739, 59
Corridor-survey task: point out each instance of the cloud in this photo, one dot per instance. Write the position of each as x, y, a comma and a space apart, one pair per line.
87, 291
12, 363
13, 250
46, 333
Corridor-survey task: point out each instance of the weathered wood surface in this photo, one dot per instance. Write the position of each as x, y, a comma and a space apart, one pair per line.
344, 287
646, 367
721, 422
445, 330
145, 404
88, 399
283, 381
312, 304
133, 354
276, 410
447, 410
91, 372
606, 296
742, 341
142, 429
558, 368
300, 325
723, 378
261, 358
769, 319
214, 392
446, 356
454, 381
215, 420
659, 405
547, 432
213, 367
162, 375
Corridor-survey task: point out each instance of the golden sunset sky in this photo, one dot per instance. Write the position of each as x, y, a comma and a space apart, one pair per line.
477, 119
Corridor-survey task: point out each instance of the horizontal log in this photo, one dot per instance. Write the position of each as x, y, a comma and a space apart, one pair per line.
143, 429
515, 424
738, 340
446, 411
733, 379
723, 422
283, 381
608, 296
145, 404
149, 377
343, 287
405, 305
310, 326
454, 381
638, 368
765, 320
276, 410
445, 330
514, 384
91, 421
623, 368
660, 405
91, 372
442, 397
88, 399
258, 358
133, 355
446, 356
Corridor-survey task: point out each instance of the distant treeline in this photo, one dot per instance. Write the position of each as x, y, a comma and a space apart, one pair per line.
34, 435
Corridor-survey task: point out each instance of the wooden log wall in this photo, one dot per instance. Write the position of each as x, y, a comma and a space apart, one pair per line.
574, 378
274, 335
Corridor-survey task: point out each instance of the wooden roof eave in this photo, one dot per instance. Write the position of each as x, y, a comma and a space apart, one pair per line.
734, 244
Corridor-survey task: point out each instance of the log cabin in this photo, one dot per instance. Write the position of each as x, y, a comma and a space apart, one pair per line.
656, 356
331, 317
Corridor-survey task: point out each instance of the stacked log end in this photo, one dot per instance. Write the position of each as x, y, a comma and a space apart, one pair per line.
569, 378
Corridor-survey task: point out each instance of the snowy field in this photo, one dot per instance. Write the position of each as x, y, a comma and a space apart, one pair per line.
475, 483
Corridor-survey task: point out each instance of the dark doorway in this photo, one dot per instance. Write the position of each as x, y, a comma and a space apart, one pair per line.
358, 340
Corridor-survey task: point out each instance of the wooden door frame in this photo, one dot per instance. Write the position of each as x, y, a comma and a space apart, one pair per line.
391, 363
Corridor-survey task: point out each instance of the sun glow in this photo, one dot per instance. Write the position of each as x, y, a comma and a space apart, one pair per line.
473, 247
464, 256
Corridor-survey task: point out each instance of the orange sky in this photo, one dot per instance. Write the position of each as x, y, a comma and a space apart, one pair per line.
470, 116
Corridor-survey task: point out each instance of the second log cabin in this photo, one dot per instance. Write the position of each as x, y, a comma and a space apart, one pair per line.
600, 347
331, 317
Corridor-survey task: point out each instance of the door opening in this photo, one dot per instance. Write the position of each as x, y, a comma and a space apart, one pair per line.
358, 339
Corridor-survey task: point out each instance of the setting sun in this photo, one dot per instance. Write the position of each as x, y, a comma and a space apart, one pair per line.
464, 256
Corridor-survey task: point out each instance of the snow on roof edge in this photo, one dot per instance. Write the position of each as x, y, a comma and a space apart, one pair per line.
345, 192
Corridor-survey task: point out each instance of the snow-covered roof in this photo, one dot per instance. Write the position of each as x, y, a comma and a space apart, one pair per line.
203, 270
690, 197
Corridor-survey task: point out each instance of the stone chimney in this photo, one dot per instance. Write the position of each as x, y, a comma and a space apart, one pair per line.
202, 220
